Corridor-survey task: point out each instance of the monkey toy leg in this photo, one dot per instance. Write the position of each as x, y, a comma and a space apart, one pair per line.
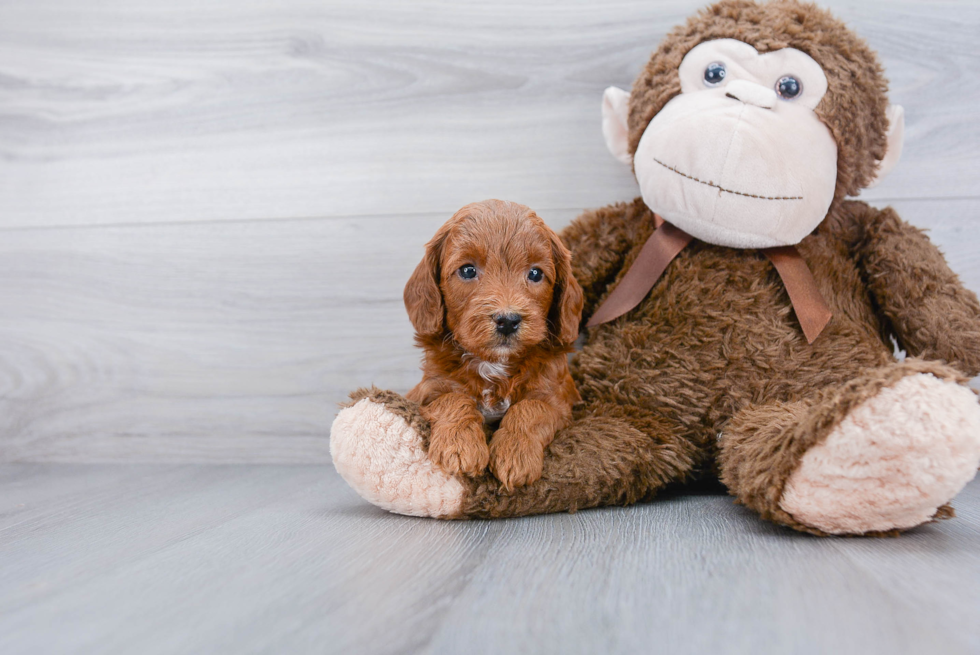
883, 453
607, 456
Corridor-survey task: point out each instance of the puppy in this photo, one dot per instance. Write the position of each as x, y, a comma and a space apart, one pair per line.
496, 309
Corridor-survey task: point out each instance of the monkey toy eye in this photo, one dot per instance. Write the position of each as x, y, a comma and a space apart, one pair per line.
535, 275
714, 74
467, 271
788, 87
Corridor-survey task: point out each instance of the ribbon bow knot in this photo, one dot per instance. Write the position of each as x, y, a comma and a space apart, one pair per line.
667, 241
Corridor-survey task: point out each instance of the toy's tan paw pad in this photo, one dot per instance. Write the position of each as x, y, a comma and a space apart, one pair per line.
382, 458
892, 462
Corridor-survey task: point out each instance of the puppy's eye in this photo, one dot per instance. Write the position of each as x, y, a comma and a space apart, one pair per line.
535, 275
467, 271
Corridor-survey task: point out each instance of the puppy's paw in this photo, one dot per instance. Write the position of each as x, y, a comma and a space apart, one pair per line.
459, 448
515, 459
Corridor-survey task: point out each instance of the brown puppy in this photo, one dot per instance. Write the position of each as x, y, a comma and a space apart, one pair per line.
496, 309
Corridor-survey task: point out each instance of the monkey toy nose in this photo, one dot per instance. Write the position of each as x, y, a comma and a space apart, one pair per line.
751, 93
507, 323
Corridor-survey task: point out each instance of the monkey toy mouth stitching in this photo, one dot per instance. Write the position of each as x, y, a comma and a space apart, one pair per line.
720, 188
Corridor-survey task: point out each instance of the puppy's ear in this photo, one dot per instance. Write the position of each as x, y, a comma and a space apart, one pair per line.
423, 297
566, 305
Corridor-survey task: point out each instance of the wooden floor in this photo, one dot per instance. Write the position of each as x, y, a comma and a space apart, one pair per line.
286, 559
207, 214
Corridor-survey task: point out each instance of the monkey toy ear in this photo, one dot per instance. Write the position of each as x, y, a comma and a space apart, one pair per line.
895, 137
615, 126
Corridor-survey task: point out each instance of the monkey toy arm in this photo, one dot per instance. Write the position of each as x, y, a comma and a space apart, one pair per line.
933, 315
600, 241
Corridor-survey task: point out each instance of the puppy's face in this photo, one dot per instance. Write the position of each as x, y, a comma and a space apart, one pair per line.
498, 278
504, 281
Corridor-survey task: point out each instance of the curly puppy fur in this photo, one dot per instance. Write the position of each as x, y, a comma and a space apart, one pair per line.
479, 367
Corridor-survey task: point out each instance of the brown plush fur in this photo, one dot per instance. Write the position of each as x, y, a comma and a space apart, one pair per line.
711, 372
715, 349
472, 371
765, 442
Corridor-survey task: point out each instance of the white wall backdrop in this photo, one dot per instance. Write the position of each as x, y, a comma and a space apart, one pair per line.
208, 209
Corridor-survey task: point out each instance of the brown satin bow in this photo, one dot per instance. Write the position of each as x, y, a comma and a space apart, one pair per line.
667, 241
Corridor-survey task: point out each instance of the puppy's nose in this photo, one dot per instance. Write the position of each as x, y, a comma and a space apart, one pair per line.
507, 323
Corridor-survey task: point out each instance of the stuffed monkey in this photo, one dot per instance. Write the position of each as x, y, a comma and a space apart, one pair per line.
740, 313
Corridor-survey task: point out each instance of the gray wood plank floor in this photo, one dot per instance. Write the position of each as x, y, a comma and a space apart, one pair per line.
286, 559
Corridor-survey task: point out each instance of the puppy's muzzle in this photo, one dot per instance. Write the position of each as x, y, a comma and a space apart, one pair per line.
507, 324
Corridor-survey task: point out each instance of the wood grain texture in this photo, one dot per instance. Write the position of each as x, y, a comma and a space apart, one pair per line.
272, 559
208, 211
230, 341
135, 112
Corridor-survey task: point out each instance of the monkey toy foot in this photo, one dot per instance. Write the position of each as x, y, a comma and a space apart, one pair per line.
377, 448
892, 462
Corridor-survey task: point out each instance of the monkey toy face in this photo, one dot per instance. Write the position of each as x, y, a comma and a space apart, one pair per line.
740, 156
